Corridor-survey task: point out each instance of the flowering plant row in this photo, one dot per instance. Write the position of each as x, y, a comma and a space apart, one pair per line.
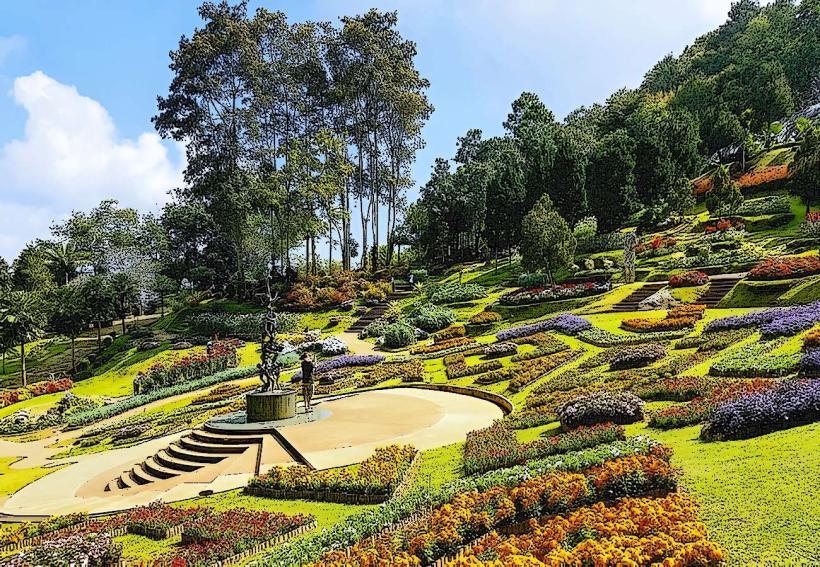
676, 389
216, 536
756, 360
786, 267
499, 350
716, 340
90, 549
525, 296
603, 338
456, 366
472, 513
811, 339
702, 407
634, 531
245, 326
773, 322
358, 527
222, 392
378, 474
496, 446
12, 396
680, 317
637, 356
724, 225
528, 372
187, 368
810, 363
604, 407
566, 323
451, 332
657, 244
156, 519
442, 345
689, 279
410, 371
789, 404
455, 293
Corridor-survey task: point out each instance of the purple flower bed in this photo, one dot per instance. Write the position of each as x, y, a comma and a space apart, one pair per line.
774, 322
810, 363
498, 350
636, 357
342, 362
792, 403
603, 407
566, 323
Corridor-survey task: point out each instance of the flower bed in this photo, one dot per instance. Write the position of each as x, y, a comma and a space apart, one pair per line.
677, 389
12, 396
701, 407
218, 536
530, 371
680, 317
403, 508
449, 333
438, 347
457, 367
603, 338
485, 318
410, 371
89, 549
663, 531
771, 205
715, 340
526, 296
614, 407
499, 350
811, 339
455, 293
374, 479
157, 520
496, 446
187, 368
637, 356
789, 404
470, 514
786, 267
689, 279
566, 323
773, 322
344, 361
222, 392
245, 326
756, 360
656, 246
430, 317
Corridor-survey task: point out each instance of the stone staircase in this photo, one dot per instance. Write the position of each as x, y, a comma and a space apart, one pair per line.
631, 302
377, 311
718, 289
198, 449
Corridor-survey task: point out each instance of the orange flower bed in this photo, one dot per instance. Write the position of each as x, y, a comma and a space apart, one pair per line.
635, 531
764, 175
676, 318
440, 346
812, 338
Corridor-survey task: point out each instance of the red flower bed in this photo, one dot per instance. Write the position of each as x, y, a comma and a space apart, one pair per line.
8, 397
764, 175
722, 225
689, 279
190, 367
786, 267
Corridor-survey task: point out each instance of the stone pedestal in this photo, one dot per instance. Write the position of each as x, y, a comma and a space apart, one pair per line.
270, 406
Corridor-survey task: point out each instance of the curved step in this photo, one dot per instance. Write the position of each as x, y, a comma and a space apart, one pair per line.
139, 476
223, 439
121, 484
165, 459
152, 467
181, 453
202, 447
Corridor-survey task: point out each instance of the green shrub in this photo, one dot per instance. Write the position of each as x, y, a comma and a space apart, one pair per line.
455, 293
399, 335
431, 318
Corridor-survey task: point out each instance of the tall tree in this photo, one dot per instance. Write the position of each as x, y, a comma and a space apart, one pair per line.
805, 170
98, 301
65, 260
724, 198
125, 294
69, 315
547, 242
22, 318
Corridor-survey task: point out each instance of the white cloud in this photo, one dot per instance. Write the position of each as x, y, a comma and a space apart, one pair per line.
71, 157
10, 44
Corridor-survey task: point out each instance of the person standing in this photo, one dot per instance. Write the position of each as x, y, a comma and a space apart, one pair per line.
307, 380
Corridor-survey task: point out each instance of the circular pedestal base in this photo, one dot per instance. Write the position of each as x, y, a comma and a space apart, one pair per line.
270, 406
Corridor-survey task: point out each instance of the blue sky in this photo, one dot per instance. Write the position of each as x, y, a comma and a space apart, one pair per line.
79, 80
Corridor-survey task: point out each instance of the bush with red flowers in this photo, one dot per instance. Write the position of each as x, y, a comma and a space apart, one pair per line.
785, 267
689, 279
14, 395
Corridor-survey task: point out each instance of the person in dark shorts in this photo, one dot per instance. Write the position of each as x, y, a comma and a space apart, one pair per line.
307, 380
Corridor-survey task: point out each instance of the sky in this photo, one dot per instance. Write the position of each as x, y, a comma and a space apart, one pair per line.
79, 81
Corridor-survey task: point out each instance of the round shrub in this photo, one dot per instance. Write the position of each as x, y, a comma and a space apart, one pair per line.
602, 407
636, 357
431, 318
399, 335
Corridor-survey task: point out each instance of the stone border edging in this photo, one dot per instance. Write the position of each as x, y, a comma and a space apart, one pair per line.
501, 401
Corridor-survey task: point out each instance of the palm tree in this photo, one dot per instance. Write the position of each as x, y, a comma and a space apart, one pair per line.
23, 318
64, 259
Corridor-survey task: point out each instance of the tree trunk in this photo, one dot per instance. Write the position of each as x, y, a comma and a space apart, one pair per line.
73, 364
123, 323
99, 335
23, 363
162, 304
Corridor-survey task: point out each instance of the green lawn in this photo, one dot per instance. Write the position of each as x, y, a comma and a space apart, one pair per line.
758, 495
12, 480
